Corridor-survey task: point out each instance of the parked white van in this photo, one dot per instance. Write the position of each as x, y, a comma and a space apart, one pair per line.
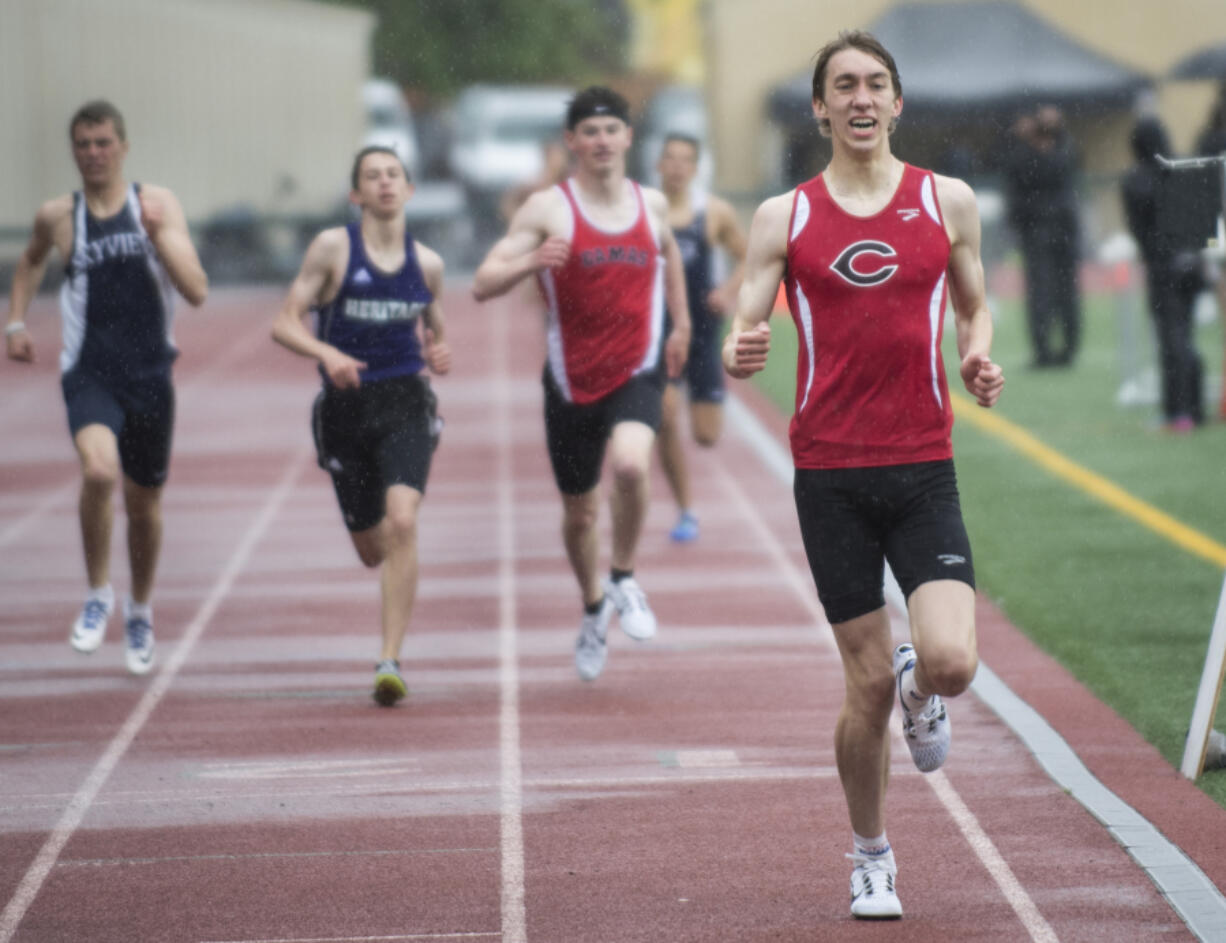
389, 121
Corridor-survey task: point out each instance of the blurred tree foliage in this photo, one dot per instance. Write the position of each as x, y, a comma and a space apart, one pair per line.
439, 46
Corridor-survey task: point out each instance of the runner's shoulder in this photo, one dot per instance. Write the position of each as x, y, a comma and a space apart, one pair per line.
54, 211
429, 261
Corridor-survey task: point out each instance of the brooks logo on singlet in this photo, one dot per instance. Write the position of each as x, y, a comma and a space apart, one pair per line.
115, 246
381, 311
628, 255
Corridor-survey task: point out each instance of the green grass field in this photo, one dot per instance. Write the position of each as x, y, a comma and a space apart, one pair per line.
1125, 609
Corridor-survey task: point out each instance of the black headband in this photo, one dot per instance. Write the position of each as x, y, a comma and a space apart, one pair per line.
596, 109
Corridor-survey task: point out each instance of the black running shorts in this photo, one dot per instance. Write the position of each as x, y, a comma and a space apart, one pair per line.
577, 435
703, 376
852, 520
141, 413
381, 434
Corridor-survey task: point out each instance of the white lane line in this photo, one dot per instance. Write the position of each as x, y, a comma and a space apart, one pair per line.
1037, 928
514, 920
48, 502
397, 938
267, 856
73, 815
1185, 886
65, 492
758, 772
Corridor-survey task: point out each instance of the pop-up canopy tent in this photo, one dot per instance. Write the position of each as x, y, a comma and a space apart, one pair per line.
968, 61
1207, 63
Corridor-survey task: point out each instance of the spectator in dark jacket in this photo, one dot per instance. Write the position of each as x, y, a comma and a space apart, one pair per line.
1171, 277
1040, 168
1212, 142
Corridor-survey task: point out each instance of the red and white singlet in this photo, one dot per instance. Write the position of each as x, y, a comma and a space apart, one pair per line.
605, 305
867, 294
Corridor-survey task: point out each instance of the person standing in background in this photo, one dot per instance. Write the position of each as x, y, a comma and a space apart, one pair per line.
1212, 143
1170, 288
1040, 170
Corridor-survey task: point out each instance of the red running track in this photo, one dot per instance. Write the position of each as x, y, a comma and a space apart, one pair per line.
248, 790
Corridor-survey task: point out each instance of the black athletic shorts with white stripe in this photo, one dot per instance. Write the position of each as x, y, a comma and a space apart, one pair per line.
576, 435
852, 520
381, 434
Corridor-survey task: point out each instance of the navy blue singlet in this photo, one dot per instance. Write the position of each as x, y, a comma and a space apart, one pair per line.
698, 260
116, 302
374, 316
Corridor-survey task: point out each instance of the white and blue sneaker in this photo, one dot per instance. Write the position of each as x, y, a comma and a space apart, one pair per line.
592, 645
633, 614
927, 731
90, 627
872, 887
138, 636
686, 529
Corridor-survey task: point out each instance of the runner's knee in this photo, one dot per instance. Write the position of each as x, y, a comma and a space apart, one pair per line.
579, 513
950, 669
99, 472
142, 512
400, 526
369, 548
629, 471
870, 691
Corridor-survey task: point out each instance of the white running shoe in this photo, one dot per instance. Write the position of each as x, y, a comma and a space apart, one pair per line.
592, 647
90, 627
872, 888
634, 615
138, 634
927, 732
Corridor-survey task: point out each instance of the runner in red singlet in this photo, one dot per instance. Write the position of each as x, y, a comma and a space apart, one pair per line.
869, 250
606, 261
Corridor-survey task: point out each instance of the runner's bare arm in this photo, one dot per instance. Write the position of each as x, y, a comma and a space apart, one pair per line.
748, 341
982, 378
28, 275
726, 232
166, 226
527, 248
434, 328
317, 280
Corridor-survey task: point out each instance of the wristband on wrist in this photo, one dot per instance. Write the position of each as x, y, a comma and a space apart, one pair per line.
14, 328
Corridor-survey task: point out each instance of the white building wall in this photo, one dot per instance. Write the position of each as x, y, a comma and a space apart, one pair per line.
227, 102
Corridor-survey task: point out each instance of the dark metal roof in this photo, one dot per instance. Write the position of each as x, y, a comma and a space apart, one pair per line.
982, 57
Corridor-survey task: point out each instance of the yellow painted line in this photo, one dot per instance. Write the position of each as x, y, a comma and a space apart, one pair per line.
1089, 482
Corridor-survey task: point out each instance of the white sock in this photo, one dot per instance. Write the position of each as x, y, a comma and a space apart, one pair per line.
104, 594
912, 700
137, 610
877, 847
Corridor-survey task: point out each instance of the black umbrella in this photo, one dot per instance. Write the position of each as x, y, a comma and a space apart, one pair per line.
1208, 63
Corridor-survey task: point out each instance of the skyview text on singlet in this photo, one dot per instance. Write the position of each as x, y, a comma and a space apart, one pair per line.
116, 301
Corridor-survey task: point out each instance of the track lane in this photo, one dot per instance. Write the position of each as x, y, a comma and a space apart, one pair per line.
689, 794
